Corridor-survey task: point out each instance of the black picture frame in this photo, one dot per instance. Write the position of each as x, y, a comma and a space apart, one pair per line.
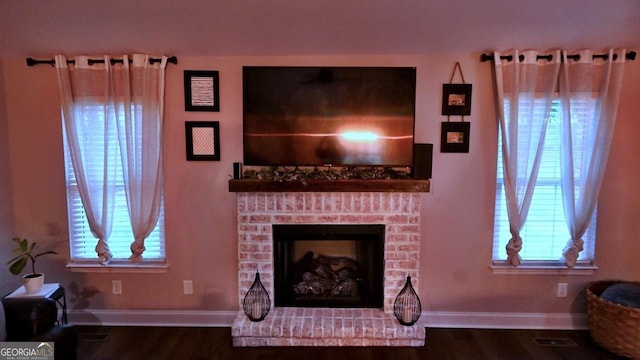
201, 90
456, 99
202, 139
455, 137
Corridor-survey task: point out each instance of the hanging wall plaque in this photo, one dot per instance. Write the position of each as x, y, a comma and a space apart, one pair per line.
456, 98
456, 101
455, 137
202, 139
201, 90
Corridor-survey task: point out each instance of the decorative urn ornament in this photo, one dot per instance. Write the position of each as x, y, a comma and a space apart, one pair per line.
256, 304
407, 307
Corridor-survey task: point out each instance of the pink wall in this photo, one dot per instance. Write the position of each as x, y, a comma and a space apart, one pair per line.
6, 200
457, 218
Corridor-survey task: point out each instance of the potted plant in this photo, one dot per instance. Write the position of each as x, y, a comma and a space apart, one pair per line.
32, 282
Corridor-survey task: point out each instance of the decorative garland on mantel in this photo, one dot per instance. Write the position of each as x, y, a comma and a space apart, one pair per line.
280, 174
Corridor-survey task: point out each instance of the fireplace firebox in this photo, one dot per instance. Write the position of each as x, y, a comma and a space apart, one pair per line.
329, 265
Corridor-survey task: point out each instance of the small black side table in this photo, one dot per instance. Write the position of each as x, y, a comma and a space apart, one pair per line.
60, 297
52, 291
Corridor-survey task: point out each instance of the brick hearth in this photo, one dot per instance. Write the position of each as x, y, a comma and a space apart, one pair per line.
399, 212
326, 327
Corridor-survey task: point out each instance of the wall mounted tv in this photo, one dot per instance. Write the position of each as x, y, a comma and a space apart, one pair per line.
318, 116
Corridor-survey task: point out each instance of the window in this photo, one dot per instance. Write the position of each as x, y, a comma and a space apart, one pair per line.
82, 242
545, 233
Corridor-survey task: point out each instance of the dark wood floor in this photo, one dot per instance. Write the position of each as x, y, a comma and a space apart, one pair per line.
134, 343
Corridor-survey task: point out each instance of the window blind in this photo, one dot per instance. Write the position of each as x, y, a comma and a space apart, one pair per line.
82, 242
545, 232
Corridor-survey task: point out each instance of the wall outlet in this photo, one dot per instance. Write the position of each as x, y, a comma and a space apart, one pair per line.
562, 290
116, 287
187, 286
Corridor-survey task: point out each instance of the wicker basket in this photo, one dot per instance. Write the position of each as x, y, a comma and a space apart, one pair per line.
615, 327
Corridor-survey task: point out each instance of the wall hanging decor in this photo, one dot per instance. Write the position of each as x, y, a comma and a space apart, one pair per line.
201, 90
256, 303
456, 98
454, 137
407, 307
203, 140
456, 101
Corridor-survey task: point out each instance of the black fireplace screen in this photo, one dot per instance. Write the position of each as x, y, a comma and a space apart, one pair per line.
328, 265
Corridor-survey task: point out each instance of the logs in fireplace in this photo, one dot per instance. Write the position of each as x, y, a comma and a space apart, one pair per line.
328, 265
326, 276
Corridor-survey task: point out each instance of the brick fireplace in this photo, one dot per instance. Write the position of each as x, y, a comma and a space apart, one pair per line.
296, 326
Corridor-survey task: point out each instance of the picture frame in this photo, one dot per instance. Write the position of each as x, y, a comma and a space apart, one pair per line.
456, 99
455, 137
201, 90
202, 139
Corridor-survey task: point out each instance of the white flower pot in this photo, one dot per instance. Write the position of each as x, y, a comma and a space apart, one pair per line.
33, 284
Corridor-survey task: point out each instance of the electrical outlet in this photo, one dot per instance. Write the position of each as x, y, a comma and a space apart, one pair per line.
187, 286
562, 290
116, 287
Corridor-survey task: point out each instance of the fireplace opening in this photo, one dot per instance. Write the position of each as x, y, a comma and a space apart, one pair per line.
328, 265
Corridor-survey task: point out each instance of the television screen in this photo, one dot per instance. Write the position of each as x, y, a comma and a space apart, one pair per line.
342, 116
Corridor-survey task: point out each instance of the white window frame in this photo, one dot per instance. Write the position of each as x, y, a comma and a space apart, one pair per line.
535, 229
83, 257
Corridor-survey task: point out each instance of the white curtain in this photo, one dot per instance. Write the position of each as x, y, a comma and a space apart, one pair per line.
139, 94
589, 93
131, 100
522, 85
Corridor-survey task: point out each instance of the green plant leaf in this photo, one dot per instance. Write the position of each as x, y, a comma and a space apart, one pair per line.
17, 267
23, 245
25, 251
18, 248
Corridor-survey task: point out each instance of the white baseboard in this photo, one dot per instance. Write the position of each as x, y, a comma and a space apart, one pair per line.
436, 319
550, 321
152, 318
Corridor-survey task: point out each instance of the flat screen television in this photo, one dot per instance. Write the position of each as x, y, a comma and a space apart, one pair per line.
320, 116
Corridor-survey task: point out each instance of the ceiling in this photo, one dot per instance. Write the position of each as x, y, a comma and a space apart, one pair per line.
41, 28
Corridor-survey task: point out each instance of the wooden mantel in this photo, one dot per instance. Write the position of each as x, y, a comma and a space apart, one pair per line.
397, 185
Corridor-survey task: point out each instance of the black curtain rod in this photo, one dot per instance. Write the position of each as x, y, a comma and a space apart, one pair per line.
488, 57
52, 62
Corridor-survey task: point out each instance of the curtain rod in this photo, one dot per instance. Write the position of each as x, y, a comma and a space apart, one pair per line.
52, 62
488, 57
